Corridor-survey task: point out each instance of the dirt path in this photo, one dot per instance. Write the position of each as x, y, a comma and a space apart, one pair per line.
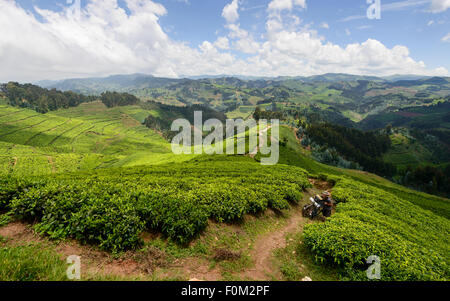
261, 142
13, 164
296, 136
267, 244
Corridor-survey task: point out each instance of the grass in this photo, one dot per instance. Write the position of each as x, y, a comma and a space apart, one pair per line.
296, 262
31, 262
241, 112
38, 261
238, 237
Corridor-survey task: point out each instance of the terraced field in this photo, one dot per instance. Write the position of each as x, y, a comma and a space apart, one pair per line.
85, 137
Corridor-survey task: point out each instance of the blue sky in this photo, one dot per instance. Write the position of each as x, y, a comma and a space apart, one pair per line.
263, 37
199, 20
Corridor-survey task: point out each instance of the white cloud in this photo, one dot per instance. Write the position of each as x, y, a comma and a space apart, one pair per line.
362, 27
236, 31
289, 52
325, 25
446, 38
105, 40
347, 32
108, 40
431, 22
400, 5
352, 18
243, 41
280, 5
222, 43
438, 6
248, 46
230, 11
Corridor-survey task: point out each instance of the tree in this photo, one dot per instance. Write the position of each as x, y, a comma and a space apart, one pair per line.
257, 113
389, 129
40, 99
114, 99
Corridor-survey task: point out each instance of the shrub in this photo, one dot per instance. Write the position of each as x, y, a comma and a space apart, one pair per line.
412, 243
112, 207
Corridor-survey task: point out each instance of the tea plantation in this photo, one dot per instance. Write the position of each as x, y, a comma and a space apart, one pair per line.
412, 243
97, 175
112, 207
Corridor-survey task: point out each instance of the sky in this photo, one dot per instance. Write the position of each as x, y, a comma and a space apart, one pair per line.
56, 39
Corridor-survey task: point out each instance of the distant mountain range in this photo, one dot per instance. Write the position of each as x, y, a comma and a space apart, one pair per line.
100, 84
355, 96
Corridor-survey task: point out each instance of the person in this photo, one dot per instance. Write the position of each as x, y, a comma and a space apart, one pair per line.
327, 203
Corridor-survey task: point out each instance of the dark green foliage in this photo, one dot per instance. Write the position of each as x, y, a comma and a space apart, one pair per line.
267, 115
435, 180
170, 113
39, 99
114, 99
316, 114
356, 92
167, 114
9, 189
364, 148
419, 117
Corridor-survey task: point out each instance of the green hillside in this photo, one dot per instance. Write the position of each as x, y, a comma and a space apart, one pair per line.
85, 137
355, 97
97, 175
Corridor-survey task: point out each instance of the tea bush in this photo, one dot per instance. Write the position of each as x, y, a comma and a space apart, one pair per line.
112, 207
412, 243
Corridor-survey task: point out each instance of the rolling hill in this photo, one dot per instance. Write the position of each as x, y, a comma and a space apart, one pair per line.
98, 176
355, 97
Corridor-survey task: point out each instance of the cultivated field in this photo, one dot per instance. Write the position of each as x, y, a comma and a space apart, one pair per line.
95, 182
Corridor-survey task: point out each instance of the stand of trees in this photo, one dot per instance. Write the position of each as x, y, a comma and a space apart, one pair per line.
435, 180
364, 148
40, 99
115, 99
167, 114
259, 114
